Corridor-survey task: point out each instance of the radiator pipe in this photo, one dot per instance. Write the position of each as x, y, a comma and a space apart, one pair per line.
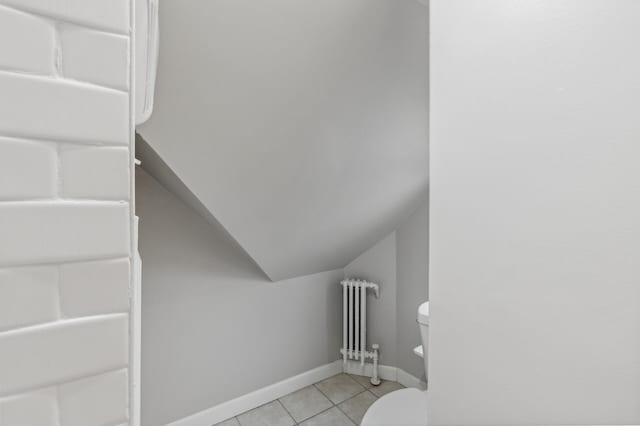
344, 323
357, 320
363, 326
375, 380
350, 319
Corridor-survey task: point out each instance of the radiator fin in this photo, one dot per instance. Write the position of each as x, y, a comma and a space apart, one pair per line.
354, 323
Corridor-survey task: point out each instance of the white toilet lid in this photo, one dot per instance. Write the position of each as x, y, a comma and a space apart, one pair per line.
406, 407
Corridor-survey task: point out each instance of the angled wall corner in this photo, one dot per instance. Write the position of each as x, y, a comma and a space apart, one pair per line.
399, 263
206, 300
157, 168
308, 145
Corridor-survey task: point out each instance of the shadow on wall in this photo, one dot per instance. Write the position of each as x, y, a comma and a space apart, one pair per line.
399, 262
211, 317
267, 108
160, 170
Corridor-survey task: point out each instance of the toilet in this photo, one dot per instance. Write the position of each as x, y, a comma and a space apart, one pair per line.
405, 407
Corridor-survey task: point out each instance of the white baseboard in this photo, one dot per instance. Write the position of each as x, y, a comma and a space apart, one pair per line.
254, 399
259, 397
409, 381
386, 372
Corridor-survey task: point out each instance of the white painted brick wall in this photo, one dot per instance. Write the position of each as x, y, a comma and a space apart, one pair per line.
34, 163
57, 231
65, 216
27, 43
90, 172
45, 108
97, 400
111, 15
91, 288
28, 296
95, 56
43, 355
33, 408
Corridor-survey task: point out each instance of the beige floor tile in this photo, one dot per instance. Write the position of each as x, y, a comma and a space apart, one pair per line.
355, 407
271, 414
385, 387
331, 417
363, 380
305, 403
339, 388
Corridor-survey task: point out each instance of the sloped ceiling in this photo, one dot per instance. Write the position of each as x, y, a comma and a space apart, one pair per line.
301, 125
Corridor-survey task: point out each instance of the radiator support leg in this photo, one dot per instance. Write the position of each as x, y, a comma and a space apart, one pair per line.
375, 380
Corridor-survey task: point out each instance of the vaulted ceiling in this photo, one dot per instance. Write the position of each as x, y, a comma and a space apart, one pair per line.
299, 125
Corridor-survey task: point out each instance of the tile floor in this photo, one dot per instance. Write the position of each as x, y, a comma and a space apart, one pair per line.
340, 400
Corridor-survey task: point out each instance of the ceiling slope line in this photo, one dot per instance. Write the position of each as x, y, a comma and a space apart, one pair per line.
153, 164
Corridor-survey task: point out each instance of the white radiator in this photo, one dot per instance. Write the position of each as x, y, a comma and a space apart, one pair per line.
354, 321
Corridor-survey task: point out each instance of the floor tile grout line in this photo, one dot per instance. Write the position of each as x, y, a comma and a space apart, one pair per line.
326, 396
322, 393
345, 413
336, 405
295, 422
347, 416
321, 412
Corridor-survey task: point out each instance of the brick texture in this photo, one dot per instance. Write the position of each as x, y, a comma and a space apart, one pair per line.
33, 408
94, 172
97, 400
27, 169
27, 43
65, 216
110, 15
57, 231
91, 288
73, 348
95, 56
28, 296
45, 108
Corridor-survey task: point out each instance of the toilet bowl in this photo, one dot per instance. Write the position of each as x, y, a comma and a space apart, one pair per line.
405, 407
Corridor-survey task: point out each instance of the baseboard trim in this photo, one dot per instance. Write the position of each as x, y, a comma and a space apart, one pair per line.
409, 381
386, 372
259, 397
254, 399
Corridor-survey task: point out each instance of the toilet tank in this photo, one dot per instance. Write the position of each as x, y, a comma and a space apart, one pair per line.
423, 322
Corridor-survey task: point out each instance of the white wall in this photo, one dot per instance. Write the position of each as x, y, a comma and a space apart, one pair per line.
217, 280
378, 264
535, 229
65, 216
214, 327
399, 263
412, 276
275, 113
